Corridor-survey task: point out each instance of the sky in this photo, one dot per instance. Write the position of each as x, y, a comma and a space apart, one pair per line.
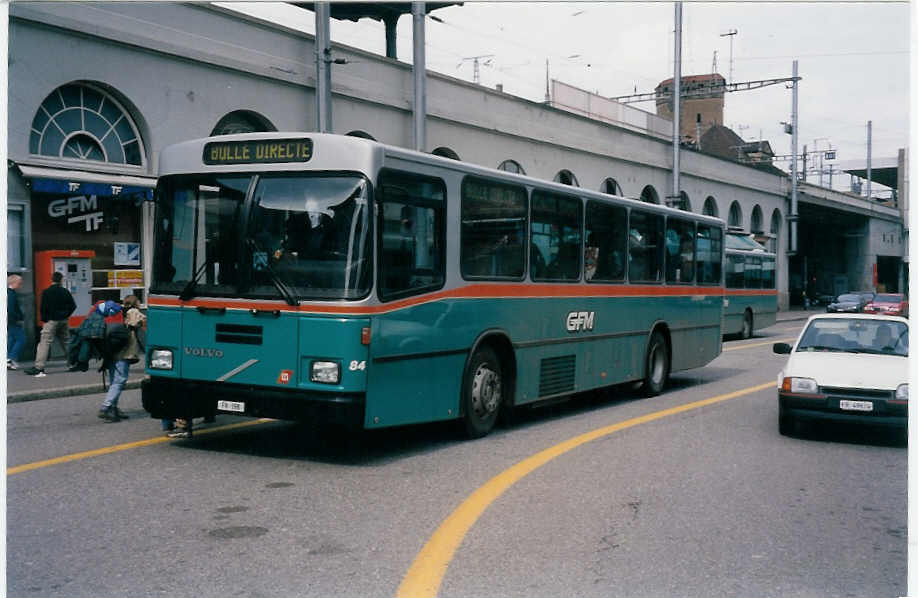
853, 58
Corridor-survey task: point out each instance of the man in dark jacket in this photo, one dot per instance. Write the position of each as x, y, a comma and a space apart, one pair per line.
15, 333
56, 306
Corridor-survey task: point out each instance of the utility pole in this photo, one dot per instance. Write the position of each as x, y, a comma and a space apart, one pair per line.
677, 101
476, 71
869, 148
547, 90
418, 10
793, 215
323, 68
731, 33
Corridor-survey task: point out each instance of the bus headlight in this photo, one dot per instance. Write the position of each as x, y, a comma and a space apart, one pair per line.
902, 392
160, 359
325, 372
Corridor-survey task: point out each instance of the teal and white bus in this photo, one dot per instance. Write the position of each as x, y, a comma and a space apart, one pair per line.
300, 275
751, 299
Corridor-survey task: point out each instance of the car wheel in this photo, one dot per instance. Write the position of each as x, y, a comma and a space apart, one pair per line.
747, 325
482, 393
656, 366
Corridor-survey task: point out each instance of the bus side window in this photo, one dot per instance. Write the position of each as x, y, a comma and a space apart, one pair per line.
412, 234
606, 230
645, 247
556, 229
708, 250
493, 232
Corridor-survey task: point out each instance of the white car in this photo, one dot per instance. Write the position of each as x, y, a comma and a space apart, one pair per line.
846, 367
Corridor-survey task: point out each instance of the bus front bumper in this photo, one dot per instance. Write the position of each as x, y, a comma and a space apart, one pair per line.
185, 399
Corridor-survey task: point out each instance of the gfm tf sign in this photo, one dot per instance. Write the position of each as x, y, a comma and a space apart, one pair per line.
579, 321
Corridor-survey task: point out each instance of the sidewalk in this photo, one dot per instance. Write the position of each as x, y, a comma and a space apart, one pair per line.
21, 387
61, 383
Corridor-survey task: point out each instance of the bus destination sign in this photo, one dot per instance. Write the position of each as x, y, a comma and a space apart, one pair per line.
260, 151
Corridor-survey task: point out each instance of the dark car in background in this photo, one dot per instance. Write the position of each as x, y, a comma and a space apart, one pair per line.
890, 304
849, 303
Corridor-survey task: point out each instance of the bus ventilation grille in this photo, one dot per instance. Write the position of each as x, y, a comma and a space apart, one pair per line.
557, 375
239, 334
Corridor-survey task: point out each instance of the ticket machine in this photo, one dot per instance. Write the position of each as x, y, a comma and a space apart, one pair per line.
76, 266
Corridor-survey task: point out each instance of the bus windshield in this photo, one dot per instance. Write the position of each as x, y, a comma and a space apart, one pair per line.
305, 237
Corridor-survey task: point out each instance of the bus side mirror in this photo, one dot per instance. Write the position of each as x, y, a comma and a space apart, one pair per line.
781, 348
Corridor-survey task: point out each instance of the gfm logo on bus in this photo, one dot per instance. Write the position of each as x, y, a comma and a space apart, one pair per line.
580, 320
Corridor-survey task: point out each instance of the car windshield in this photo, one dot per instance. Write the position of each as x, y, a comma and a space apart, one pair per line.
884, 337
848, 299
887, 299
304, 237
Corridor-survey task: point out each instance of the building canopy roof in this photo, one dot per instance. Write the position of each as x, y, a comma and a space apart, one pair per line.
380, 11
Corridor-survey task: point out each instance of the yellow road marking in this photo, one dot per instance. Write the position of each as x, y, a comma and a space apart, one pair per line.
121, 447
426, 573
750, 345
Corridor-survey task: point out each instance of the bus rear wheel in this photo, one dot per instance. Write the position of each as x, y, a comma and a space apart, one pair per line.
656, 366
482, 393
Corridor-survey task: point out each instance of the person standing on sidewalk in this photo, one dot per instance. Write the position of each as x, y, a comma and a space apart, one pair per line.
56, 306
121, 361
15, 333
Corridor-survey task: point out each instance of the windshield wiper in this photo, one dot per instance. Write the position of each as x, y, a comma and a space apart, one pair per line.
188, 292
284, 290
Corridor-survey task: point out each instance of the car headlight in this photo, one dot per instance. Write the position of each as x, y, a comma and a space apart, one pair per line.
161, 359
902, 392
325, 372
800, 385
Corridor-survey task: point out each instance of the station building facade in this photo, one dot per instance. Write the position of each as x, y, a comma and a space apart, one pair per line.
96, 90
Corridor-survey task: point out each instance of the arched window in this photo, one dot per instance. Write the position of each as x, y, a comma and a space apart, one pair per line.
736, 215
710, 207
242, 121
774, 243
649, 195
446, 153
362, 135
79, 121
756, 225
511, 166
685, 203
566, 177
611, 187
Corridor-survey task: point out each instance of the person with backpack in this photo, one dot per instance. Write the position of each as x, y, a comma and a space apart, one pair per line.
121, 348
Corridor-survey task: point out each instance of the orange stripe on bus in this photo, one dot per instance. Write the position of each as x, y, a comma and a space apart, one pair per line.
474, 291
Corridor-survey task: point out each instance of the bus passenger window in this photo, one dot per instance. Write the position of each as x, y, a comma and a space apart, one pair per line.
412, 234
645, 247
556, 237
680, 251
708, 250
493, 231
606, 232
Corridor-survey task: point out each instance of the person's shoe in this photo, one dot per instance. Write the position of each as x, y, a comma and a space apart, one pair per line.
11, 365
33, 371
178, 433
108, 415
121, 414
73, 368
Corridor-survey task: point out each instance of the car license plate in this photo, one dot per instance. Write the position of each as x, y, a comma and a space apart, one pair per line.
856, 405
231, 406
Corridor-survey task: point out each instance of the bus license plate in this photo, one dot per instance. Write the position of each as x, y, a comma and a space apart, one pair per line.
856, 405
231, 406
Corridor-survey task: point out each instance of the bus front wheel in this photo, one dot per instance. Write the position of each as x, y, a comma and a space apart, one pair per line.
656, 365
482, 393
